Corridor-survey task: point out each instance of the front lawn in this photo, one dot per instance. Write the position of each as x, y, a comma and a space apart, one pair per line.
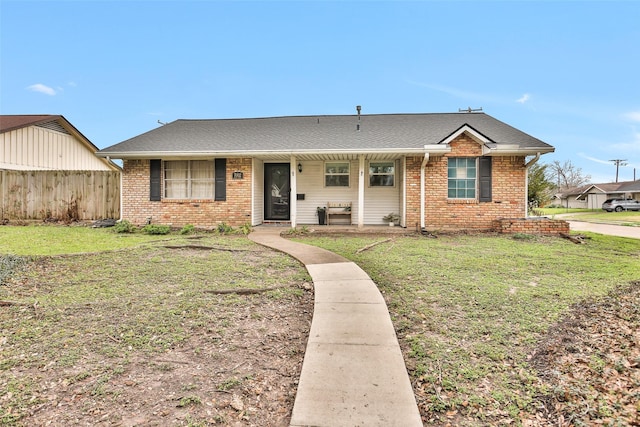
472, 314
129, 329
626, 218
57, 240
495, 330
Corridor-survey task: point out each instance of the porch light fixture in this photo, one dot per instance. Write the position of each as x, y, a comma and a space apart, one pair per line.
300, 167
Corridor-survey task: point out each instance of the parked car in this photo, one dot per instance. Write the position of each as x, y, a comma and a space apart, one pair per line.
620, 205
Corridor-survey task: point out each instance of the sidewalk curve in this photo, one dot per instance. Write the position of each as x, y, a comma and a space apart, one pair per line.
353, 372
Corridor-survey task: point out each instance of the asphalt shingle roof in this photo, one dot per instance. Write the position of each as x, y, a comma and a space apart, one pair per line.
318, 134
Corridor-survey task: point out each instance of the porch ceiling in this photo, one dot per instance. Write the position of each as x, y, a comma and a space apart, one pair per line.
330, 156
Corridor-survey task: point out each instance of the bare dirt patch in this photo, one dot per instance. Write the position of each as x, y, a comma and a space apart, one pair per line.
168, 353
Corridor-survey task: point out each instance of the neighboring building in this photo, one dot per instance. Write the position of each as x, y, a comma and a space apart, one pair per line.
46, 142
437, 171
49, 170
592, 196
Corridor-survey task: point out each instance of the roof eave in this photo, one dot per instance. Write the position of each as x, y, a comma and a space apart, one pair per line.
260, 153
516, 151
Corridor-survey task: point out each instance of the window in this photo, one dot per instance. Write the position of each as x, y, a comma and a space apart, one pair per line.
188, 179
336, 174
462, 176
382, 174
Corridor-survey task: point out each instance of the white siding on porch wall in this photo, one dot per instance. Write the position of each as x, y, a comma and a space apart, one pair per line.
311, 184
379, 201
257, 193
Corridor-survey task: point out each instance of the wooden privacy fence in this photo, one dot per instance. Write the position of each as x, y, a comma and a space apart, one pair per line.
63, 195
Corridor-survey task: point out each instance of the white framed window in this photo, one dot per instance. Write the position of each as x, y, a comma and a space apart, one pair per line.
336, 174
462, 175
189, 179
382, 174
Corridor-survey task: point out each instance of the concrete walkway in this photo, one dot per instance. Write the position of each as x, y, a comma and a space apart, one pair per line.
612, 230
353, 372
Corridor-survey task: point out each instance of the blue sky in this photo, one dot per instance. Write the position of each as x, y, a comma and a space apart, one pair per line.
566, 72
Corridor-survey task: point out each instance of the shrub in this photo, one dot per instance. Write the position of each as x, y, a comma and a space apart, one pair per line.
187, 229
224, 228
156, 229
124, 226
245, 228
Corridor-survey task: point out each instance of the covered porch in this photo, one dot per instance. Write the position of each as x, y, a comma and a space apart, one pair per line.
289, 190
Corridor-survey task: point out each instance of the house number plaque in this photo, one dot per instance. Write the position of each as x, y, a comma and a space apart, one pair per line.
238, 175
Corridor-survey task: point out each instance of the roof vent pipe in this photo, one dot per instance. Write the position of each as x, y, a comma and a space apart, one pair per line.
358, 109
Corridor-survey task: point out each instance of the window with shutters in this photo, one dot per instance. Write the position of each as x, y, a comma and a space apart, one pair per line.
469, 178
461, 177
189, 179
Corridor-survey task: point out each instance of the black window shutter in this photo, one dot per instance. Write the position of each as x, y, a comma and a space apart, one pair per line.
484, 176
155, 177
221, 179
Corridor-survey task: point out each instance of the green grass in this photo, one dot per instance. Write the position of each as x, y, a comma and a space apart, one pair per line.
556, 211
619, 218
57, 240
628, 218
468, 310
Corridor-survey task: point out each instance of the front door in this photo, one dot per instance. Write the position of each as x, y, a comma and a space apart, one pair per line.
276, 191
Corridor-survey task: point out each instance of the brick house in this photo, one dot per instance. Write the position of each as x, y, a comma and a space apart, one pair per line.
437, 171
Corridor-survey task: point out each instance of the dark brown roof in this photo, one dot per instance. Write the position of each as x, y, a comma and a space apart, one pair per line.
8, 123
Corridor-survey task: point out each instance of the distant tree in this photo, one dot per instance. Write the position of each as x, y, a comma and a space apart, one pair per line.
567, 175
540, 189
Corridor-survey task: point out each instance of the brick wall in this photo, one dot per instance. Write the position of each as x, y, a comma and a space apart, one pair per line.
531, 226
441, 213
137, 208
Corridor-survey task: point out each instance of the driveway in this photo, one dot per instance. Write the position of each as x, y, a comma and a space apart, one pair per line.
612, 230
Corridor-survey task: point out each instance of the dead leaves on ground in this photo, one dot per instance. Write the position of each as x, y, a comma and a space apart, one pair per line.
591, 364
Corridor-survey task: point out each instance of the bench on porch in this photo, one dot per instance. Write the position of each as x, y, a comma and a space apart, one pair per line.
341, 209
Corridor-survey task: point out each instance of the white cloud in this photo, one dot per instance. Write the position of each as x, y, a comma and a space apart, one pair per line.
633, 115
524, 98
593, 159
39, 87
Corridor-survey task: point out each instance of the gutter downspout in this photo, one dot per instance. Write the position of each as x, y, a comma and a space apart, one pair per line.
422, 185
526, 183
121, 170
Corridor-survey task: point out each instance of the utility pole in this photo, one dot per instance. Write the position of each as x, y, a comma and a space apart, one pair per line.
618, 163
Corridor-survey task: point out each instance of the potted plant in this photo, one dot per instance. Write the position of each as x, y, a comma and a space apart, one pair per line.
321, 213
392, 219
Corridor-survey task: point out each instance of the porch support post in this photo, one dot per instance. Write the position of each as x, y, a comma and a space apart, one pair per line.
422, 189
403, 208
293, 196
361, 174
